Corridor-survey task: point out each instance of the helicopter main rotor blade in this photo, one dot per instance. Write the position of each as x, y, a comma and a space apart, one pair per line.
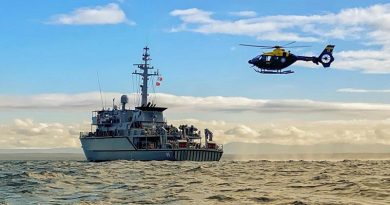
296, 46
255, 46
271, 47
288, 44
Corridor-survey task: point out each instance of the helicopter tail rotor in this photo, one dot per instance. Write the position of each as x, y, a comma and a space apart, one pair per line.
326, 57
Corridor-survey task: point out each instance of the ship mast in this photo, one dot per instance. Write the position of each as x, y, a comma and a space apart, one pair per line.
145, 66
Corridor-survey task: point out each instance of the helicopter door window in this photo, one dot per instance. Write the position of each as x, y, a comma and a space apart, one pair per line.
268, 58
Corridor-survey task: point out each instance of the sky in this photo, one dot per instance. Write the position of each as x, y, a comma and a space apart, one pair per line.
51, 52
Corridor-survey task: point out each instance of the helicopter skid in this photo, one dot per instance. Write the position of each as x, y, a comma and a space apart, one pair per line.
274, 72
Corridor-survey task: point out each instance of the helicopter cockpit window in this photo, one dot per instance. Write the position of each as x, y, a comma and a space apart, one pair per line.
262, 58
258, 57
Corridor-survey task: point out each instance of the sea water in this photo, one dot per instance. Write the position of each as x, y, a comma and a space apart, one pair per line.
225, 182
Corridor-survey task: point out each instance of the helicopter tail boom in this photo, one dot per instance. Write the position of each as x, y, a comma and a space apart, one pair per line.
326, 57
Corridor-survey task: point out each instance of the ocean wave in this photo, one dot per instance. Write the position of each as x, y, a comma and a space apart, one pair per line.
225, 182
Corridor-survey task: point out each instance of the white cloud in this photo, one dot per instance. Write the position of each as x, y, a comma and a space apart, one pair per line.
366, 123
91, 100
368, 61
108, 14
265, 28
354, 90
346, 23
242, 130
51, 101
193, 15
243, 13
366, 26
26, 133
309, 133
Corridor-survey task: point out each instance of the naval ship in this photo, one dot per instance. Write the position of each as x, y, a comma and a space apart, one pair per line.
142, 133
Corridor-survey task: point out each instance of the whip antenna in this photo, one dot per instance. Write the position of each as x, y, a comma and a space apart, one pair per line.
100, 89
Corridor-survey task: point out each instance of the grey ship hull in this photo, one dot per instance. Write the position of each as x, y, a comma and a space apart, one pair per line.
121, 148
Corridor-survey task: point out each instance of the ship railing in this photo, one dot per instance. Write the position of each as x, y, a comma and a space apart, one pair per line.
86, 134
99, 134
220, 147
175, 145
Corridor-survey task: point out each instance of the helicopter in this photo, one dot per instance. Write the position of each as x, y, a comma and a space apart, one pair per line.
275, 61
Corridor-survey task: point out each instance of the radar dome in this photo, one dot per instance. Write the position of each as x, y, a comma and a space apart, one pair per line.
124, 99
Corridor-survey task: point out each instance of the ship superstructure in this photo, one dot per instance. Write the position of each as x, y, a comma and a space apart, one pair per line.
142, 133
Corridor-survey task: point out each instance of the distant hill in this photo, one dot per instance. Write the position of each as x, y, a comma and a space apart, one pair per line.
242, 148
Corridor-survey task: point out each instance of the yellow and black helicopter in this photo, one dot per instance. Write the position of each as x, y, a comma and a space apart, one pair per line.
275, 61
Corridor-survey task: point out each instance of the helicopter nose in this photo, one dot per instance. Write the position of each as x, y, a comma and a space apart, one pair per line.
252, 61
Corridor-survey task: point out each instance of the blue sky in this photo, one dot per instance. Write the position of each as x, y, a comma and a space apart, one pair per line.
52, 47
38, 57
